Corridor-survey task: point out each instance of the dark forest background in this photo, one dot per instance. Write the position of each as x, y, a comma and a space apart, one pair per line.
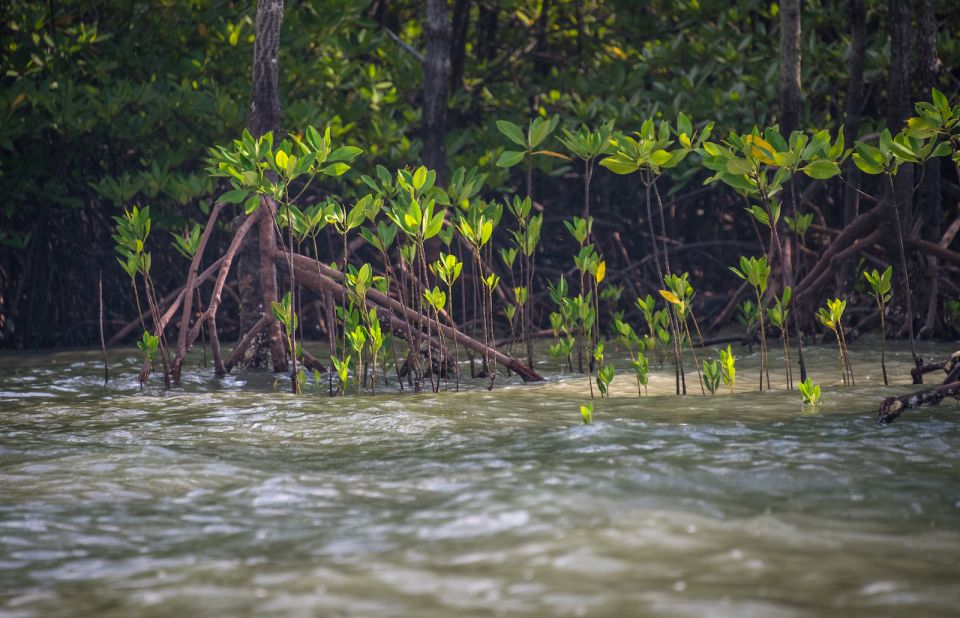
105, 105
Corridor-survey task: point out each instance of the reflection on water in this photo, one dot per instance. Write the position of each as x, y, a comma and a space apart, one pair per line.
234, 498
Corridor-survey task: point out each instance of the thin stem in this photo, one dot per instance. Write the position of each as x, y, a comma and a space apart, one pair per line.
787, 281
696, 362
846, 353
903, 265
763, 342
883, 343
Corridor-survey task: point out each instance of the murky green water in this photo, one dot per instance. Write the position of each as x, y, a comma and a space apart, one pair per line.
231, 499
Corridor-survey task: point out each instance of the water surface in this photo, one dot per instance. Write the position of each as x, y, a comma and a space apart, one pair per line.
233, 498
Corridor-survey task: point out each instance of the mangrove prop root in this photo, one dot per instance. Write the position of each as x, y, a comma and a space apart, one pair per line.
268, 283
892, 407
172, 301
244, 343
858, 228
331, 282
214, 305
188, 293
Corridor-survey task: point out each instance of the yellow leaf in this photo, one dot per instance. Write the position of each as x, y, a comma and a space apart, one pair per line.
670, 297
762, 150
616, 51
684, 140
601, 271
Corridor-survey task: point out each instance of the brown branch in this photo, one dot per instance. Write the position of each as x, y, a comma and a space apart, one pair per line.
226, 262
932, 248
171, 300
859, 227
732, 305
836, 260
892, 407
188, 294
331, 282
268, 282
244, 343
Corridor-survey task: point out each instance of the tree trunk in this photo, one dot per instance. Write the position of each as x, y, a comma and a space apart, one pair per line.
898, 109
265, 94
856, 16
541, 63
436, 85
264, 117
790, 100
486, 41
458, 46
789, 66
928, 68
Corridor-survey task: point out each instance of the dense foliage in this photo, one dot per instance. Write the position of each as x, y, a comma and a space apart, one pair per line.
104, 107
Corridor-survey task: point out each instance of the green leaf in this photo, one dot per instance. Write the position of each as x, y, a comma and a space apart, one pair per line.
513, 133
419, 177
739, 181
344, 153
821, 169
619, 165
866, 166
943, 149
251, 205
903, 152
660, 157
234, 196
509, 158
539, 130
940, 100
337, 169
684, 126
738, 166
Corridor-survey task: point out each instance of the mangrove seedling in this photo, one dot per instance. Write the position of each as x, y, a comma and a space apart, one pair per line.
187, 242
343, 371
747, 316
375, 337
886, 158
476, 229
538, 131
526, 239
448, 269
778, 317
148, 345
650, 151
655, 322
641, 367
760, 164
586, 413
810, 392
283, 312
831, 316
587, 145
605, 373
728, 366
133, 228
680, 296
755, 271
880, 289
712, 374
